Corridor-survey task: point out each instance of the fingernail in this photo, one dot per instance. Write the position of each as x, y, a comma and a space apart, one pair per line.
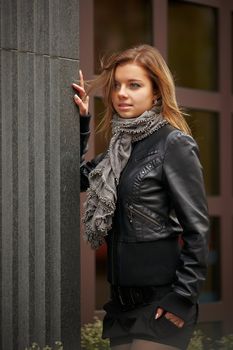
156, 316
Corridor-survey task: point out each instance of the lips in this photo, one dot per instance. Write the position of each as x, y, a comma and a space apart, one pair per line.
124, 106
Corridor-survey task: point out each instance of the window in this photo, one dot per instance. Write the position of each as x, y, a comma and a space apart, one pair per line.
205, 129
120, 24
192, 45
211, 291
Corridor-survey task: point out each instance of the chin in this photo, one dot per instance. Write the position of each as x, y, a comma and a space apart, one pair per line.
129, 117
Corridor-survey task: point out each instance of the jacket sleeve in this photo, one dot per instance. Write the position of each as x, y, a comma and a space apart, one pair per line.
84, 135
86, 167
184, 181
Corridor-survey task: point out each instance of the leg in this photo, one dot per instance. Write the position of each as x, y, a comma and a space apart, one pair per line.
139, 344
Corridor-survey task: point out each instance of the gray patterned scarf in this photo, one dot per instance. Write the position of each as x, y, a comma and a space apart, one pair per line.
102, 195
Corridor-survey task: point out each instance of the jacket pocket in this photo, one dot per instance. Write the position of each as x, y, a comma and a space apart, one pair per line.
133, 211
145, 226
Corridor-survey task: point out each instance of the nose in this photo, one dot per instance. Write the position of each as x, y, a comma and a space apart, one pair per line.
122, 92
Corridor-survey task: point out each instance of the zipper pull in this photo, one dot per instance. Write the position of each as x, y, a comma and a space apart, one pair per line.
130, 214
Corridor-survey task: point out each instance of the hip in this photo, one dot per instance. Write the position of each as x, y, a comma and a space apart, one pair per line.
123, 324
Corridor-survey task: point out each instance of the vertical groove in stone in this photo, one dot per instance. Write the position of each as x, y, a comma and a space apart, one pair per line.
15, 196
55, 229
7, 202
48, 274
25, 73
31, 159
39, 139
1, 316
1, 40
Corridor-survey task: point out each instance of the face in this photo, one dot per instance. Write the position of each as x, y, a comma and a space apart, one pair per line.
133, 92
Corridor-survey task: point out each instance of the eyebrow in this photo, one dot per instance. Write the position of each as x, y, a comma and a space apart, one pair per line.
131, 80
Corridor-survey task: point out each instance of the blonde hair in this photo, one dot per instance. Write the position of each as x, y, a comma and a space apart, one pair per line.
152, 61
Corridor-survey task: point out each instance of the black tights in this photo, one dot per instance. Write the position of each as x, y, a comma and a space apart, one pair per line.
138, 344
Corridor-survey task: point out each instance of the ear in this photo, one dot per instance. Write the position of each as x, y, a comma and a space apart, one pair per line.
154, 99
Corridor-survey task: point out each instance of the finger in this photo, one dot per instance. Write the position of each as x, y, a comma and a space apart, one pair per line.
78, 100
174, 319
159, 313
81, 78
79, 88
178, 324
83, 107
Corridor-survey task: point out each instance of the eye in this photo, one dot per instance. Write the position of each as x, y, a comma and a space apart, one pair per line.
116, 85
135, 85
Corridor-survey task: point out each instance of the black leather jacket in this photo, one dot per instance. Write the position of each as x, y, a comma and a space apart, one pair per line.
161, 198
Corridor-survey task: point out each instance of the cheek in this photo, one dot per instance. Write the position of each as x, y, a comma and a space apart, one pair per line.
146, 98
145, 95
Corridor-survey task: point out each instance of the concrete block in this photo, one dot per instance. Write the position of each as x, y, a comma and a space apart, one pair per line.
41, 27
64, 28
25, 25
8, 26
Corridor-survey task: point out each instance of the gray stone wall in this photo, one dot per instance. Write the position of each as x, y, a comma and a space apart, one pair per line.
39, 184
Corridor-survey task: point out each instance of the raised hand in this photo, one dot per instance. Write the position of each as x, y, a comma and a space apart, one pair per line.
81, 98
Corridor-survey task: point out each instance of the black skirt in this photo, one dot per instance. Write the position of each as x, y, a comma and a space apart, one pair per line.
121, 325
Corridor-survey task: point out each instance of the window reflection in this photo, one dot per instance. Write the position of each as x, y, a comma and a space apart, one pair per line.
192, 45
212, 288
101, 141
120, 24
205, 130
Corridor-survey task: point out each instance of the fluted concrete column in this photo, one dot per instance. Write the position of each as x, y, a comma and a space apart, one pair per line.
39, 183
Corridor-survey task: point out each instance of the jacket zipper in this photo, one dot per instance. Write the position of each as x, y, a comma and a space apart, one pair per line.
136, 211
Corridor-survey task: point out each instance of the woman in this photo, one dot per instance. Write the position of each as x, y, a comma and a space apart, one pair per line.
146, 199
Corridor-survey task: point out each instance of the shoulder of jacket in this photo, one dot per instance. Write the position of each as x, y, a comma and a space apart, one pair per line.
179, 139
166, 133
175, 135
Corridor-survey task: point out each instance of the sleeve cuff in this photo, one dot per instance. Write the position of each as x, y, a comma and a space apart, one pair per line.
85, 124
176, 304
